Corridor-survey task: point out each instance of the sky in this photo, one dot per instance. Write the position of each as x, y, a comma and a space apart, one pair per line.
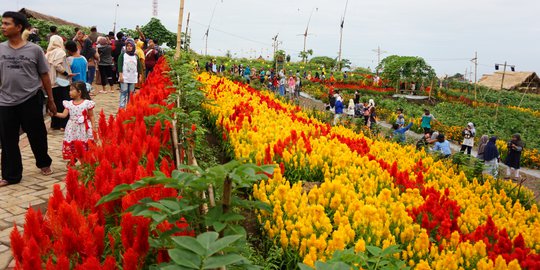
445, 33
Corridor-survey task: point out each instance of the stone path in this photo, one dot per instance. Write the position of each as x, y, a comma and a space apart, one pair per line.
35, 189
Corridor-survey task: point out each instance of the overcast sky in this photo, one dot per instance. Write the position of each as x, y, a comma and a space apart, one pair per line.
445, 33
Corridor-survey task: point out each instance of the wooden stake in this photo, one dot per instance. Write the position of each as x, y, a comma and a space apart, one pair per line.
179, 30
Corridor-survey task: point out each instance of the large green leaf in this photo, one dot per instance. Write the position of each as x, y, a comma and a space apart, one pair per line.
190, 244
218, 261
185, 258
206, 239
222, 243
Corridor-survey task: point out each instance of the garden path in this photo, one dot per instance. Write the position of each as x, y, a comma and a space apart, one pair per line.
35, 189
530, 177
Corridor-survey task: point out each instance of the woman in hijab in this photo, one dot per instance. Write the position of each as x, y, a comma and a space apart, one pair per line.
468, 138
491, 156
129, 72
60, 74
140, 54
515, 147
481, 146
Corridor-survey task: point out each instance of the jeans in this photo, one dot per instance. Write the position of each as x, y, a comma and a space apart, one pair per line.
91, 74
29, 116
281, 90
126, 90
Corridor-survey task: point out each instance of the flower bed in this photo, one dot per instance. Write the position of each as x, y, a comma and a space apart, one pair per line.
372, 192
74, 233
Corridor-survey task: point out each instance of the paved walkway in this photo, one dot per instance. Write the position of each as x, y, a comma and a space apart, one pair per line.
35, 189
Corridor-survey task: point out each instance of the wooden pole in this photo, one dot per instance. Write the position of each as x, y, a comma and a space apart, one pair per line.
179, 30
500, 92
475, 72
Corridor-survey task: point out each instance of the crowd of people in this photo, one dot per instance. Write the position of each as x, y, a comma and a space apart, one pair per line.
62, 78
433, 141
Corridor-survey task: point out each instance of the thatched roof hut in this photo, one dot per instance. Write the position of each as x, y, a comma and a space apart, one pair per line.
40, 16
520, 81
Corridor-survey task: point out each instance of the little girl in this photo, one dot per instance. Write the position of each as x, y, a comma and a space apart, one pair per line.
80, 126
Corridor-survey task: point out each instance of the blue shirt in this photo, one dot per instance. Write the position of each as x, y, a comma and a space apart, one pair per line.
400, 132
78, 65
444, 147
339, 107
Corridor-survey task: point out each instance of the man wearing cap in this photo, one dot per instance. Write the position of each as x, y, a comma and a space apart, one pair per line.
23, 73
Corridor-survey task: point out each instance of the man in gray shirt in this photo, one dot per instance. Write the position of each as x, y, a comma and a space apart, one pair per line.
23, 74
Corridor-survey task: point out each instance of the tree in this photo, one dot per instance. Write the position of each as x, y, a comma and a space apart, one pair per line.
344, 63
406, 68
288, 58
155, 29
305, 55
325, 61
457, 77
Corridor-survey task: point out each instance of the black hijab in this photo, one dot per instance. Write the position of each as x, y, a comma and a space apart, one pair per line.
490, 151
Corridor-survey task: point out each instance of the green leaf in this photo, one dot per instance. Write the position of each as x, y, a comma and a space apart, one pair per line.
117, 192
375, 251
206, 239
172, 204
185, 258
232, 217
190, 243
159, 206
390, 250
218, 261
218, 226
222, 243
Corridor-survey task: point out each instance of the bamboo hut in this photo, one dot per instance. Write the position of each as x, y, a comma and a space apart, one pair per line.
40, 16
517, 81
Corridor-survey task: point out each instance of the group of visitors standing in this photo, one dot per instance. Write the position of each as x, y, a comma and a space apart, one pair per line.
355, 108
61, 78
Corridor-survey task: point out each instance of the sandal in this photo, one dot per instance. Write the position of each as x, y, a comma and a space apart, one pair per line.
46, 171
4, 183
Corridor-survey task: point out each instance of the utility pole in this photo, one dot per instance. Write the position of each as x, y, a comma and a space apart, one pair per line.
341, 35
275, 45
502, 84
115, 15
186, 34
179, 30
475, 61
379, 52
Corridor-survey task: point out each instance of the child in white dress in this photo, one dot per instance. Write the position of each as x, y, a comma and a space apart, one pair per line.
81, 126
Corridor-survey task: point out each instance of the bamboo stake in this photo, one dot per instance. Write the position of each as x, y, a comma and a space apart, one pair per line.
179, 31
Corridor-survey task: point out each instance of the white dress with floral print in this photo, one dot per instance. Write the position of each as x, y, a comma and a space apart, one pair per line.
78, 128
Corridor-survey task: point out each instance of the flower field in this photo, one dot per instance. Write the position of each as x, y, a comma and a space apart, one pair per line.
372, 193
